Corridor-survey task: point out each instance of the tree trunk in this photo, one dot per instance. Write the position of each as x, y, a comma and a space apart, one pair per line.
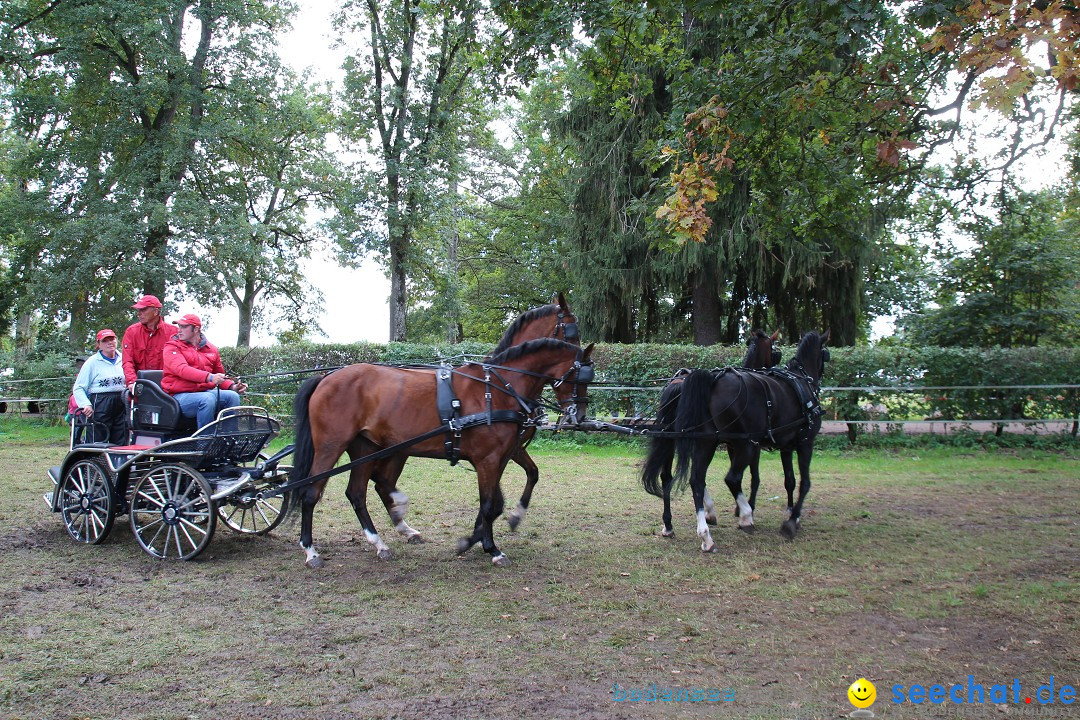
24, 336
247, 308
707, 308
452, 240
398, 291
77, 329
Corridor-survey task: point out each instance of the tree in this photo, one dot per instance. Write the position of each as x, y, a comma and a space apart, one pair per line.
1016, 286
409, 101
263, 165
132, 83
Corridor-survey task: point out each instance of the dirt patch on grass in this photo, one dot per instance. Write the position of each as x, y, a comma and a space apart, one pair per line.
890, 580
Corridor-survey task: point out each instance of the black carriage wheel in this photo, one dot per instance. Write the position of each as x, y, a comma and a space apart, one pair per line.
245, 513
86, 501
172, 515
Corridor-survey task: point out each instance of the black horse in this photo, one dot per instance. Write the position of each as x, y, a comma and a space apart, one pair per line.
777, 408
656, 471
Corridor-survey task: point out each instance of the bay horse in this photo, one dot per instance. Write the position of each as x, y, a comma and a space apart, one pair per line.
656, 475
554, 320
778, 408
363, 408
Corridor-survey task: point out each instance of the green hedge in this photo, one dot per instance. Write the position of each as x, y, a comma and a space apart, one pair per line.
648, 366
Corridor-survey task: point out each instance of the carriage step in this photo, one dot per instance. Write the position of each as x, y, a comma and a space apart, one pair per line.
47, 497
228, 487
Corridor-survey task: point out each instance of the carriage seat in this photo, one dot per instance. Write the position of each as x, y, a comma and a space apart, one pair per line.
155, 414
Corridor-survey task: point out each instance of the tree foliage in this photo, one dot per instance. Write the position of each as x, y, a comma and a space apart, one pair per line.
111, 105
1016, 286
263, 166
411, 93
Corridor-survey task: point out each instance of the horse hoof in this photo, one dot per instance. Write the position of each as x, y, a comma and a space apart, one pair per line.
664, 532
500, 560
416, 539
789, 529
385, 554
315, 562
463, 546
710, 548
513, 521
710, 520
747, 528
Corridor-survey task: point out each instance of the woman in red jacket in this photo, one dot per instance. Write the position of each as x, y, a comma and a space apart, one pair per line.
194, 375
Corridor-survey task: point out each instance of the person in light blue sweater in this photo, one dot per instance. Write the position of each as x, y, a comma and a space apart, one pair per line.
98, 391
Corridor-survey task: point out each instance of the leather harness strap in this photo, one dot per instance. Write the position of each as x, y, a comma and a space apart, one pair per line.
449, 407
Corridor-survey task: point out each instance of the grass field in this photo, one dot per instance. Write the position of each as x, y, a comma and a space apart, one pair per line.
913, 567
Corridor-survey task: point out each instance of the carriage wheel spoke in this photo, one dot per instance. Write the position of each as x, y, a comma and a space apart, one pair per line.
261, 504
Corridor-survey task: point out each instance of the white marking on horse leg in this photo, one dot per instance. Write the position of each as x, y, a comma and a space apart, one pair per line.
380, 547
313, 560
411, 534
400, 505
787, 514
707, 544
746, 513
710, 511
664, 532
517, 515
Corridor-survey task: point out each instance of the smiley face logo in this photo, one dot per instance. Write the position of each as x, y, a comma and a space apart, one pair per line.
862, 693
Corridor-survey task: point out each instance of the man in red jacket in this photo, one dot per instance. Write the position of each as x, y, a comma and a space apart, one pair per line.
144, 341
194, 375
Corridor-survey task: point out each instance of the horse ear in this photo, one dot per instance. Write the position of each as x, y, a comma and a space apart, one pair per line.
561, 299
588, 351
825, 337
775, 336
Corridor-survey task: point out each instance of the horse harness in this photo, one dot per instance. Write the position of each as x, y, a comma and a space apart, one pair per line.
449, 407
530, 412
806, 390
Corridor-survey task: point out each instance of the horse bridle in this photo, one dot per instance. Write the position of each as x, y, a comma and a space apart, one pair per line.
569, 330
582, 371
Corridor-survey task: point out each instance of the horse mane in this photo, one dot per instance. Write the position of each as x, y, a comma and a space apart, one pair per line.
516, 351
810, 344
507, 339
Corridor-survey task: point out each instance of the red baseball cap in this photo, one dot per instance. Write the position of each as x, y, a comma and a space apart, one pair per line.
189, 319
106, 333
147, 301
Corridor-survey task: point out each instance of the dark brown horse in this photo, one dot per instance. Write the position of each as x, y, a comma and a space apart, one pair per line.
361, 409
777, 408
656, 474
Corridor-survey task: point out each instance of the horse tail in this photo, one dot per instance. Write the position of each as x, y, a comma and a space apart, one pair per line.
303, 447
691, 416
661, 449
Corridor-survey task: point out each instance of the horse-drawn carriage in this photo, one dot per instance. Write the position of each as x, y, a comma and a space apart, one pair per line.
173, 482
174, 486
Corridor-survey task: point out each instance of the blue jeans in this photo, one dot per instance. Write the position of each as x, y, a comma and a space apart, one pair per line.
204, 406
